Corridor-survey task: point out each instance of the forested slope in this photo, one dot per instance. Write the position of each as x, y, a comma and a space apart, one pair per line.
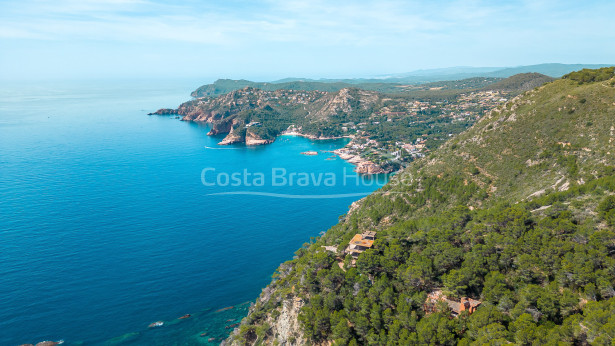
518, 212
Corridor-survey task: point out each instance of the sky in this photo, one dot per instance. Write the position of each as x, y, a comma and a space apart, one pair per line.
271, 39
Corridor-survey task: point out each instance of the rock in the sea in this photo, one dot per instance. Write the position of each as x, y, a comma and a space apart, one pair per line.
47, 343
231, 326
226, 308
156, 324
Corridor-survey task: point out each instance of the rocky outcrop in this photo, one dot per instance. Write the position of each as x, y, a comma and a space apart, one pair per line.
231, 138
362, 166
48, 343
221, 127
249, 138
285, 329
252, 139
368, 167
282, 322
164, 111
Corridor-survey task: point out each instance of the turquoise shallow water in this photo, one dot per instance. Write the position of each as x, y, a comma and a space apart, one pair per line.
106, 225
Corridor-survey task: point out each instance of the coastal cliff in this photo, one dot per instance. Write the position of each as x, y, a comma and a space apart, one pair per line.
283, 323
256, 117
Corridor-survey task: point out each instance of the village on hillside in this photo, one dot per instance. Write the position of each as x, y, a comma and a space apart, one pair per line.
398, 134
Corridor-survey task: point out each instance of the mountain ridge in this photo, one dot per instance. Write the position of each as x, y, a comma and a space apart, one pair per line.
392, 82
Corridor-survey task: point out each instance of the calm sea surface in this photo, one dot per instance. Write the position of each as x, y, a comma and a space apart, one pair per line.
106, 225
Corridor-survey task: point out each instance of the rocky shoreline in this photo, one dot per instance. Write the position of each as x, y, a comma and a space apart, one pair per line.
189, 113
362, 165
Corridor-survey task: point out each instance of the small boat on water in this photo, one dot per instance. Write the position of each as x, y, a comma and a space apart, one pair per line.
156, 324
185, 316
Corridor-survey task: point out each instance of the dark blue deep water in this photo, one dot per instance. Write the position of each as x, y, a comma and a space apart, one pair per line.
106, 226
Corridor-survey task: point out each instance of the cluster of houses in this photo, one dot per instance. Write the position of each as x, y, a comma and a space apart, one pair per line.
415, 149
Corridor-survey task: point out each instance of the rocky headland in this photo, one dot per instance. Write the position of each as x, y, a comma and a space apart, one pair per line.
256, 117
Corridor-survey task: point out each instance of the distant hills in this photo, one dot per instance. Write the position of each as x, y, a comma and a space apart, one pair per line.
398, 82
520, 82
225, 86
447, 71
451, 73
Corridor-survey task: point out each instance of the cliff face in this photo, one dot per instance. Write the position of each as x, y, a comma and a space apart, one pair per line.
285, 328
231, 138
254, 139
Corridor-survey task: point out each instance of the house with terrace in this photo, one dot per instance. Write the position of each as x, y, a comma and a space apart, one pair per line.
360, 242
455, 306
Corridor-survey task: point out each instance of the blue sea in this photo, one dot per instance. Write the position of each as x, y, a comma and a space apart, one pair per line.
111, 219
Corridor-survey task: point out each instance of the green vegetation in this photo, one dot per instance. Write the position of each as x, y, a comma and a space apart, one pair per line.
224, 86
520, 82
434, 89
541, 270
518, 212
590, 76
